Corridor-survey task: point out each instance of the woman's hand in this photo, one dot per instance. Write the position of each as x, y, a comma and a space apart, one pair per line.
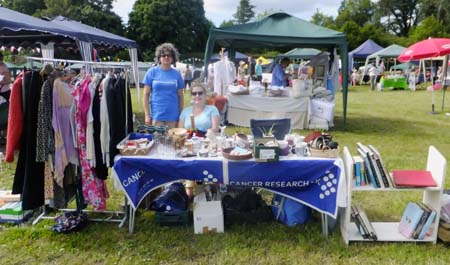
148, 120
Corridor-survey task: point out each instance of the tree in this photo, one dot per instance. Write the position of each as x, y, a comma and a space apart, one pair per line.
358, 11
322, 20
227, 23
401, 15
181, 22
96, 13
440, 9
429, 27
28, 7
244, 12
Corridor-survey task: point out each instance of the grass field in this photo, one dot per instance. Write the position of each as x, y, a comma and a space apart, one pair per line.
398, 123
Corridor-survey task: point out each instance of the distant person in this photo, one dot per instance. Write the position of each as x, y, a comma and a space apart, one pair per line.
412, 79
187, 77
302, 71
241, 71
5, 79
258, 70
249, 68
373, 72
279, 77
355, 77
163, 89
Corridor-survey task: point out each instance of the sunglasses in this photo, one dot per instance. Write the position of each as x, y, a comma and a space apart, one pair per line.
166, 55
200, 93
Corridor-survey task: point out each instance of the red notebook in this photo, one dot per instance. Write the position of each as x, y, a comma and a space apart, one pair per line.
413, 178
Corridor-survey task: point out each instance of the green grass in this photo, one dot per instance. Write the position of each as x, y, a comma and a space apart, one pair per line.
397, 122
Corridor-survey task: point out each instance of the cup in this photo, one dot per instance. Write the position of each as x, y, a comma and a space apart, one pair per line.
290, 138
301, 149
284, 148
299, 139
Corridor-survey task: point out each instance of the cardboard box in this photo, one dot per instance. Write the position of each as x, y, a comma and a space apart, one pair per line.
322, 109
208, 216
264, 153
12, 212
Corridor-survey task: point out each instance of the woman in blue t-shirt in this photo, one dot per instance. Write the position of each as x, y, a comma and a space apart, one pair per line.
205, 116
163, 89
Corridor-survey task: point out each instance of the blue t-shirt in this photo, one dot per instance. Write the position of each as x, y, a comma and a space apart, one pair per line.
164, 95
278, 76
202, 121
258, 70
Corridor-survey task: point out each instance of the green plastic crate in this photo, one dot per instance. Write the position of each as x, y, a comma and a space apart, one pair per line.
182, 218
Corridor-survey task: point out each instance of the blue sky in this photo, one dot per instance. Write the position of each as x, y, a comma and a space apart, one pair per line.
220, 10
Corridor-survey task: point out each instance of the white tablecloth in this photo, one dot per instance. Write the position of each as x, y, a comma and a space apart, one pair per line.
242, 108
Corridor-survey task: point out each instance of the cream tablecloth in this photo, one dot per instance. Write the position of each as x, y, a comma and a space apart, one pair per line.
242, 108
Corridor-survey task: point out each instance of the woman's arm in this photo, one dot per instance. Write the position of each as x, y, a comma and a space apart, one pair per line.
180, 100
215, 122
146, 103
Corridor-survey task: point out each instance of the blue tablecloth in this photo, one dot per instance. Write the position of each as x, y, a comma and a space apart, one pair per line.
315, 182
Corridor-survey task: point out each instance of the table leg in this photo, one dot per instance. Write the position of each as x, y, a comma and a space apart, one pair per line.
324, 224
131, 220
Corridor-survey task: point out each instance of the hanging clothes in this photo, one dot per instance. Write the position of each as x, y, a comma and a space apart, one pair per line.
224, 75
29, 175
118, 97
15, 119
101, 170
104, 121
95, 190
65, 151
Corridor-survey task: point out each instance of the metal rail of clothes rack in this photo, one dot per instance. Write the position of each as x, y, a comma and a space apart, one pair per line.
103, 65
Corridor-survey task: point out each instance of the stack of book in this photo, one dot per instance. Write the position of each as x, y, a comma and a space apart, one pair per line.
370, 169
362, 222
416, 220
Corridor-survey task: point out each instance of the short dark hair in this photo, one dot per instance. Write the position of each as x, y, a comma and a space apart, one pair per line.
285, 60
166, 48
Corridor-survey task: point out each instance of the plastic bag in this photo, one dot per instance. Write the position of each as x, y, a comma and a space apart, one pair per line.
174, 198
290, 212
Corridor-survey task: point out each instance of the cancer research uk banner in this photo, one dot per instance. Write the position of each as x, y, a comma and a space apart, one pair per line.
312, 182
140, 176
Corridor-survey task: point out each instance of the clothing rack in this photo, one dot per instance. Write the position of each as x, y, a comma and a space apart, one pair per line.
112, 215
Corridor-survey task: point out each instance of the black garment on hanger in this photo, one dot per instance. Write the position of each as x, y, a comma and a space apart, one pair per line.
29, 175
118, 114
101, 171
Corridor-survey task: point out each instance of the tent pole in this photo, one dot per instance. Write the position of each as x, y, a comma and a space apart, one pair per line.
444, 76
344, 71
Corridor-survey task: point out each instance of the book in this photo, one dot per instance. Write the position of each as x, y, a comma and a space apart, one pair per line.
359, 170
426, 227
410, 219
374, 165
383, 165
368, 169
370, 229
413, 178
362, 228
426, 213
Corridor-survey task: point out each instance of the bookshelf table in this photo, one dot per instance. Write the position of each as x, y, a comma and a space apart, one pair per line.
388, 231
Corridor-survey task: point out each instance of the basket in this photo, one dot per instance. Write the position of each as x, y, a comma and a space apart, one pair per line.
181, 218
142, 150
227, 155
327, 153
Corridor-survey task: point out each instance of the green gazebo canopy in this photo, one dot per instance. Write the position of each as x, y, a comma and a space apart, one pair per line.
280, 31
